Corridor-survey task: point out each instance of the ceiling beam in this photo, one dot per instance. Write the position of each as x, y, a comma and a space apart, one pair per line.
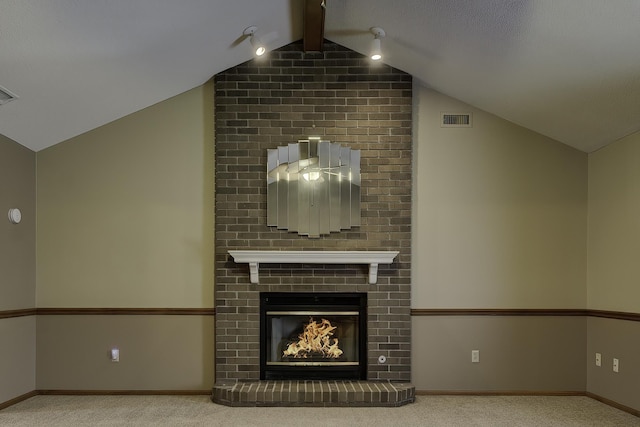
313, 25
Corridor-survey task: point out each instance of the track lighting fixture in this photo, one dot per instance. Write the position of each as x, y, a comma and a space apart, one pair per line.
258, 46
376, 51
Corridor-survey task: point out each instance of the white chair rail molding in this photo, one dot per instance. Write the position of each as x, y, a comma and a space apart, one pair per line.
373, 258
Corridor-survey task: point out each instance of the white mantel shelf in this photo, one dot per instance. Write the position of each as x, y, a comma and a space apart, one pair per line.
373, 258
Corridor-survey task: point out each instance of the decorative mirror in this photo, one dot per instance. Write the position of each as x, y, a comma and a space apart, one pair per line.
313, 187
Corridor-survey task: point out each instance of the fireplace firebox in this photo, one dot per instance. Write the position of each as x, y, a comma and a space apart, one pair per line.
314, 336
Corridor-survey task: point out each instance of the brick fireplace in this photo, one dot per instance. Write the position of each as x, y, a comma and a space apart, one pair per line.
268, 102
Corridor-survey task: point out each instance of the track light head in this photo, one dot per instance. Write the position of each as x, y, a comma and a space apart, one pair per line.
376, 51
258, 47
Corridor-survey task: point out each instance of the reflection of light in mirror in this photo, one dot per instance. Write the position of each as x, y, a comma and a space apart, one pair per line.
311, 176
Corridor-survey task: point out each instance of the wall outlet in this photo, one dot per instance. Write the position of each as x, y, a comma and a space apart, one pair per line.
616, 365
598, 359
475, 356
114, 354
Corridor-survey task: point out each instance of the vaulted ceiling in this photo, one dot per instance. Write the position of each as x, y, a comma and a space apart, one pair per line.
567, 69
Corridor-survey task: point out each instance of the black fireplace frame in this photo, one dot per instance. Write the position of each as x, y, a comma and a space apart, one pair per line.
336, 301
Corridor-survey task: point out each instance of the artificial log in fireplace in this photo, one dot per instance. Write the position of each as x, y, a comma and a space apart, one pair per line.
315, 336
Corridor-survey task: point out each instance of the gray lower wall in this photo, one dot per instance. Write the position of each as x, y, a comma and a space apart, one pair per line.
17, 357
619, 339
157, 352
517, 353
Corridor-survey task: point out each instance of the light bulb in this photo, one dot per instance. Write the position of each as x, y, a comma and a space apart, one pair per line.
376, 53
257, 45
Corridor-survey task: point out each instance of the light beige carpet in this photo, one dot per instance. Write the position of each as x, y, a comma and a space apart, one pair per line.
494, 411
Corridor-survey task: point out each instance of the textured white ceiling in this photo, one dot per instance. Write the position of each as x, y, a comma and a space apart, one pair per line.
568, 69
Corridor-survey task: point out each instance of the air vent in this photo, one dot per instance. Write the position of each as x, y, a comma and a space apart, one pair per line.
6, 96
456, 120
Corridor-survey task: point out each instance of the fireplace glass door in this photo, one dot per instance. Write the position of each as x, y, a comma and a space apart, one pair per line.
313, 336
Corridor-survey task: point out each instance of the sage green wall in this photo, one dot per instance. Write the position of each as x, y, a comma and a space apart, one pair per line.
499, 221
500, 214
17, 241
125, 220
614, 227
613, 269
125, 211
17, 269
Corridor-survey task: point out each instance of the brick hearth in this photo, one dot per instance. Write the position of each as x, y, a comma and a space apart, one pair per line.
313, 393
